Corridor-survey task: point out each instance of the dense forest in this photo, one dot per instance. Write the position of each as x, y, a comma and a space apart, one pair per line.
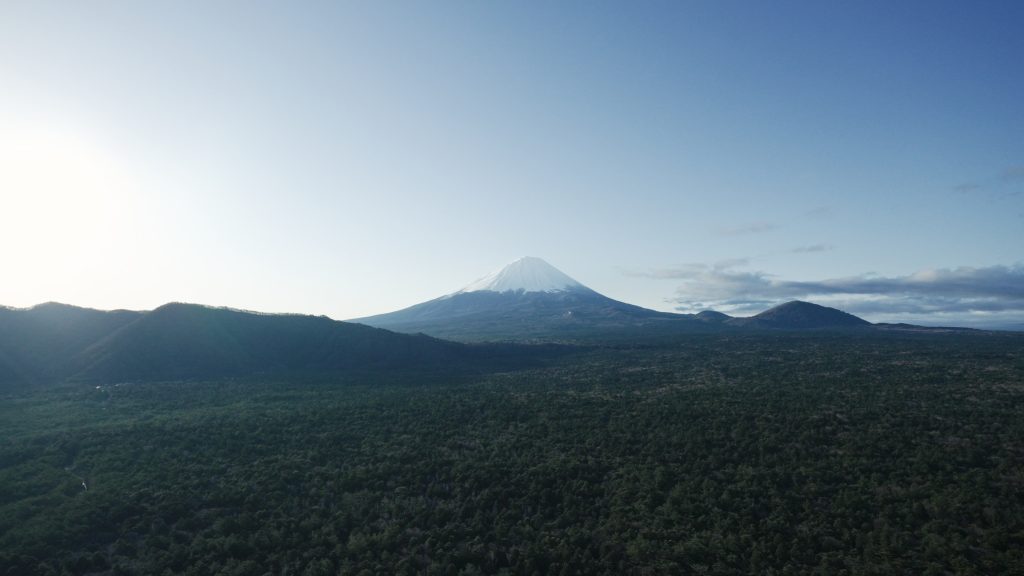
717, 454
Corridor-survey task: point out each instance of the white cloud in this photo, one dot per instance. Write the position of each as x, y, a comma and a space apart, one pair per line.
973, 295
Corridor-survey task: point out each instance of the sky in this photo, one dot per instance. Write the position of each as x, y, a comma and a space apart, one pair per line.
354, 158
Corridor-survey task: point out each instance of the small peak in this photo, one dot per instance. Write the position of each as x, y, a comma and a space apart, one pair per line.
189, 307
57, 308
800, 314
178, 306
798, 304
712, 316
527, 274
51, 305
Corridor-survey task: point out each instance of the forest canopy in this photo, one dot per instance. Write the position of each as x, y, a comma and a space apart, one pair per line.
774, 454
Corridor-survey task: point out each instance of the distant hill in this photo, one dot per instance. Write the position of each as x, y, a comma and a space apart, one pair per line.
797, 315
187, 340
52, 342
712, 317
179, 341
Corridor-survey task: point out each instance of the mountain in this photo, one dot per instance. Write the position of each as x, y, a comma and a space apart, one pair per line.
528, 299
531, 300
179, 341
53, 342
797, 315
37, 343
713, 317
528, 274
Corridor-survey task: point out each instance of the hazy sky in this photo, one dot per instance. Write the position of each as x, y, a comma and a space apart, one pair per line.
350, 158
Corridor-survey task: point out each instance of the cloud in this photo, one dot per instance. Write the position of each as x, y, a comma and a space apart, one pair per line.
751, 228
1003, 184
687, 271
1013, 174
965, 290
730, 263
819, 212
812, 248
967, 188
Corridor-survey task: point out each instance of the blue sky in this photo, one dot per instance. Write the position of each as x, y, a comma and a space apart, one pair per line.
351, 158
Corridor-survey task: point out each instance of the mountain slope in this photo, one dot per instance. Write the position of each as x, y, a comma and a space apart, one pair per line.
36, 343
55, 342
528, 299
179, 341
528, 274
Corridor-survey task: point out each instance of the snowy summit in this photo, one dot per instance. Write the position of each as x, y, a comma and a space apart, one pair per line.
527, 274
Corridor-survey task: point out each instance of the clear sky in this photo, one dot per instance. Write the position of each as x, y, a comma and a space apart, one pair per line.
352, 158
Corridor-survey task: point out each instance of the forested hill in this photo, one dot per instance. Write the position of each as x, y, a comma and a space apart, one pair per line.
38, 343
55, 342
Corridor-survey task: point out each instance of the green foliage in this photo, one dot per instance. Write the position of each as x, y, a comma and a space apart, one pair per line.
716, 455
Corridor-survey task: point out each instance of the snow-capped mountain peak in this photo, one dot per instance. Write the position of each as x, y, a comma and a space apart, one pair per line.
527, 274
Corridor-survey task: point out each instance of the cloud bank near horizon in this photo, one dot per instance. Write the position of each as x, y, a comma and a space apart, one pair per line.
992, 295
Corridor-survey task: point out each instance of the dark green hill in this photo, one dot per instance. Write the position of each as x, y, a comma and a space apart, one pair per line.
798, 315
54, 342
190, 341
36, 343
